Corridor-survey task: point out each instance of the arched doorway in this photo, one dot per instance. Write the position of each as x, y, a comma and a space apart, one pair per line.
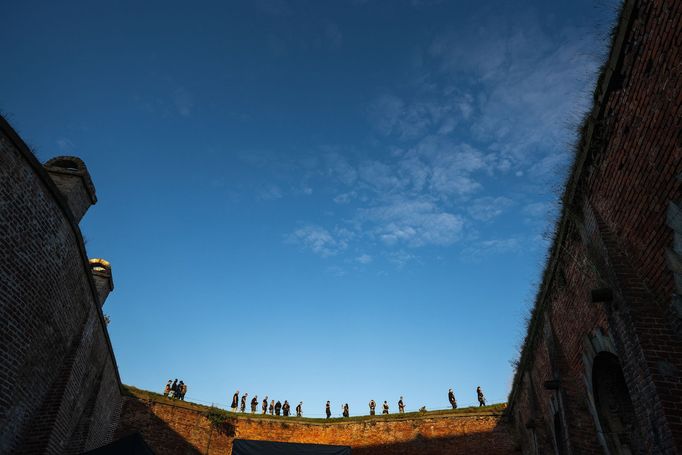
613, 403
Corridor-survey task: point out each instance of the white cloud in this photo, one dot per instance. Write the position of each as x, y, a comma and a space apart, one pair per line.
487, 208
344, 198
538, 209
415, 223
319, 240
482, 248
401, 258
364, 259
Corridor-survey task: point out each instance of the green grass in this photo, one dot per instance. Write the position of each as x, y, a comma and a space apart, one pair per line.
494, 409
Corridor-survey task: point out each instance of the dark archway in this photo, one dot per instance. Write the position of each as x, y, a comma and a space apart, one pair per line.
613, 403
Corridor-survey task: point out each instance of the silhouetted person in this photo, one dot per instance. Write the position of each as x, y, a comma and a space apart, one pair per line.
451, 399
372, 407
182, 390
385, 411
481, 398
235, 401
167, 389
243, 406
265, 405
254, 404
401, 406
174, 389
278, 408
328, 410
286, 408
299, 409
346, 412
272, 407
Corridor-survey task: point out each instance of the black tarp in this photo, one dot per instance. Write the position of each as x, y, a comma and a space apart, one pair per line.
130, 445
247, 447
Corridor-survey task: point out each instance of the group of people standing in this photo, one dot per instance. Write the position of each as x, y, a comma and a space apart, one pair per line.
479, 395
175, 390
277, 408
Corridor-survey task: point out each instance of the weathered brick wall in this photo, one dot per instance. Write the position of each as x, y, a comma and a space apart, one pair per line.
173, 429
56, 356
613, 233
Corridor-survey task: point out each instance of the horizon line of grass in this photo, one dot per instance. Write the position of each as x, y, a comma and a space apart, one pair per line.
493, 409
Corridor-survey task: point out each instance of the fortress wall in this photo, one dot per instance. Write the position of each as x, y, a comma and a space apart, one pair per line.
620, 230
171, 428
59, 384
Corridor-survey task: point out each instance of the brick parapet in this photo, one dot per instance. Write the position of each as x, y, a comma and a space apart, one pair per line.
173, 429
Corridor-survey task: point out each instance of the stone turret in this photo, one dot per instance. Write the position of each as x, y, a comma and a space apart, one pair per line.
73, 180
101, 273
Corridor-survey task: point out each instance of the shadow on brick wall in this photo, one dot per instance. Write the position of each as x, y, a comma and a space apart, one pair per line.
498, 442
174, 428
159, 434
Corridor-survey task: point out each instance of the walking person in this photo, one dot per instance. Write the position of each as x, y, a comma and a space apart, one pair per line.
346, 412
451, 399
265, 405
254, 404
278, 408
272, 407
299, 409
167, 389
243, 404
385, 411
401, 406
286, 408
235, 401
182, 387
481, 398
328, 410
372, 407
174, 389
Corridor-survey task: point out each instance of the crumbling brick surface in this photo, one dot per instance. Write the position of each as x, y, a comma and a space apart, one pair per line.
171, 429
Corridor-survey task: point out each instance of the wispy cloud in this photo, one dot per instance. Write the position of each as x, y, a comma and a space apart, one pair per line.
478, 250
319, 240
364, 259
65, 144
487, 208
415, 223
481, 128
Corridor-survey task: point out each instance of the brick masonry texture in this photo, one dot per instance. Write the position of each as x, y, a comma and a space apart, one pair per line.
176, 429
600, 371
59, 384
614, 233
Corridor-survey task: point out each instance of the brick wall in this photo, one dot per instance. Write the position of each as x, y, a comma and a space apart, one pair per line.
179, 429
59, 384
614, 233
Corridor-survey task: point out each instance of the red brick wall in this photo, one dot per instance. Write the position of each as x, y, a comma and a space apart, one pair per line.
56, 357
172, 429
613, 234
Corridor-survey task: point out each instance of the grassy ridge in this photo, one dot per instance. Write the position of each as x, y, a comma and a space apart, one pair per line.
494, 409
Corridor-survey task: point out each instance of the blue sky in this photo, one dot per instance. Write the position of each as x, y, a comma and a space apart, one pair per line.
312, 200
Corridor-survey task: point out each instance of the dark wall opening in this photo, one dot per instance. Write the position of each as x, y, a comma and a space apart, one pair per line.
613, 403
